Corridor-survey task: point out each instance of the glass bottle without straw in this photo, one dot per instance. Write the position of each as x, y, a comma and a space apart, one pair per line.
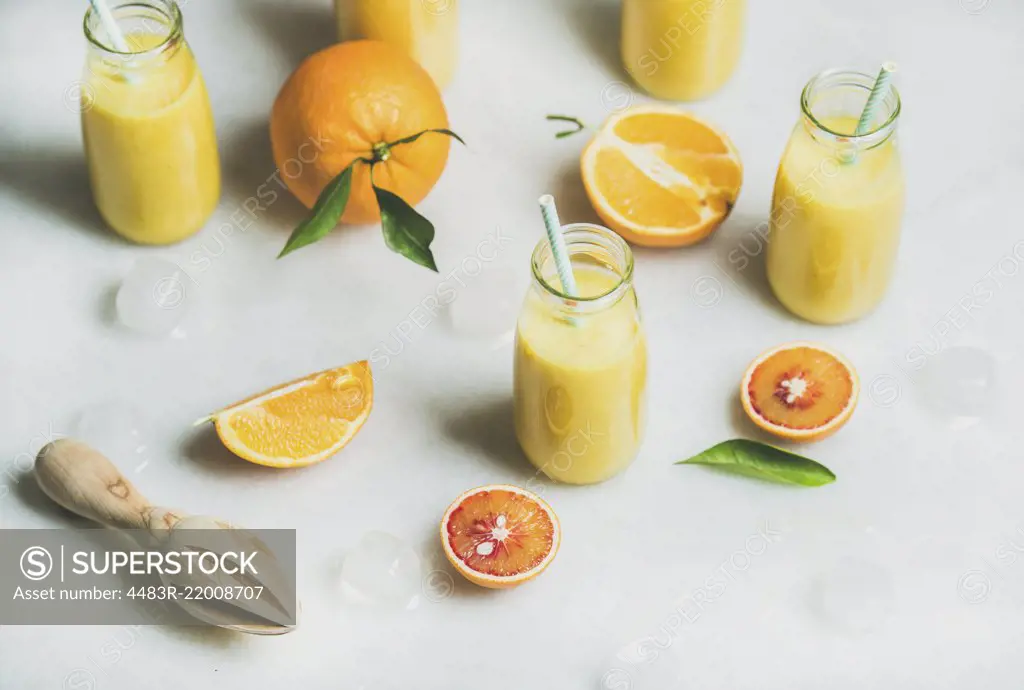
682, 50
428, 30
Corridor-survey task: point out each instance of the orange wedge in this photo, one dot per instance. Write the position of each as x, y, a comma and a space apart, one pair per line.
500, 536
800, 391
301, 422
660, 177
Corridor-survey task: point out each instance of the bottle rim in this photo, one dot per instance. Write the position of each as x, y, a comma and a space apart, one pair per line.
586, 238
171, 20
841, 78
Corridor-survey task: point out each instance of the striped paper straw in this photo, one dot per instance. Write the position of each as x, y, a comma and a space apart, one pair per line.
110, 26
878, 93
557, 242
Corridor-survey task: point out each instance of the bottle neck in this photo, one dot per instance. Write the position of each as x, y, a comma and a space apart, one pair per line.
590, 247
153, 32
831, 105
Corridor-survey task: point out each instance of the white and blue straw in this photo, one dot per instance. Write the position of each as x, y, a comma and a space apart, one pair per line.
110, 26
878, 93
557, 242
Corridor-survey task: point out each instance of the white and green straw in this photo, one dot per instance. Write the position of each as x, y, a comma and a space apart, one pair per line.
558, 248
110, 26
878, 93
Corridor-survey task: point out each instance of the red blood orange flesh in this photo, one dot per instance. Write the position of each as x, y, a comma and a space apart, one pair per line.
800, 391
500, 536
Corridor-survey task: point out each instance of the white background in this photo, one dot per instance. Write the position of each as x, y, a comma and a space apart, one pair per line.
908, 549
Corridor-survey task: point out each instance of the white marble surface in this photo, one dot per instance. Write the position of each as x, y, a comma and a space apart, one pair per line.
900, 575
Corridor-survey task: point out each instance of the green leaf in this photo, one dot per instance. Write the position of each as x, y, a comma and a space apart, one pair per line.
325, 214
405, 231
754, 459
413, 137
566, 118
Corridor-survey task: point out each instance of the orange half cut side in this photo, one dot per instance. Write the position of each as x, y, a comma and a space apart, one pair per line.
800, 391
661, 177
500, 536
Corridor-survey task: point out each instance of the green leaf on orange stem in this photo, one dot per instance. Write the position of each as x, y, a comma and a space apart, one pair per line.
406, 232
326, 213
413, 137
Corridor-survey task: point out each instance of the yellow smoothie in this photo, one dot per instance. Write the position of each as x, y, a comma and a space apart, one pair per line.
682, 50
835, 224
150, 141
428, 30
579, 385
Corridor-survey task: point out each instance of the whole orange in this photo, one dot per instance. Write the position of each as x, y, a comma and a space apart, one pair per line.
346, 102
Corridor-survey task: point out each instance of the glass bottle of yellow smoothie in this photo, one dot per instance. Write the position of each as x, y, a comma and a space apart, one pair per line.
428, 30
838, 203
147, 126
682, 50
580, 369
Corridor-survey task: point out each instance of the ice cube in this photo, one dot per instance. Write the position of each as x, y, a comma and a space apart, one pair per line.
854, 594
487, 306
649, 663
117, 430
959, 383
382, 571
153, 297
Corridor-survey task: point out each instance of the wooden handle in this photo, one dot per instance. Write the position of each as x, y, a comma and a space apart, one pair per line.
82, 480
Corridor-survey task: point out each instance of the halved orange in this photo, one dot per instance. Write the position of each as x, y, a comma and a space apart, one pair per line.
500, 536
661, 177
301, 422
800, 391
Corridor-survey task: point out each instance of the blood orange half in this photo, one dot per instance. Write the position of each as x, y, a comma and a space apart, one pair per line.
800, 391
500, 536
